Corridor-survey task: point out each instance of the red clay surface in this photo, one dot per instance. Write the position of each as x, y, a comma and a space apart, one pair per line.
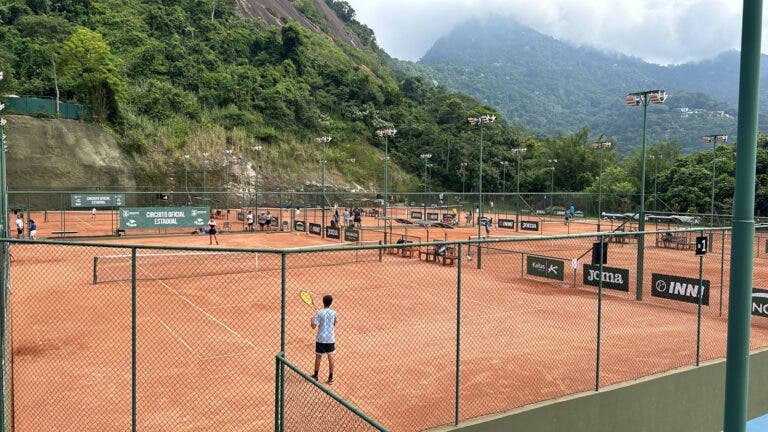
206, 344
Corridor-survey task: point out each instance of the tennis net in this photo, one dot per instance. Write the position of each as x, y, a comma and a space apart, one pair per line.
180, 265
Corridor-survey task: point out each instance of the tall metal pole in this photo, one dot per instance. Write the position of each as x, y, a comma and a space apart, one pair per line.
742, 258
517, 206
634, 99
323, 140
386, 175
641, 222
386, 133
552, 163
480, 188
714, 139
600, 191
714, 164
655, 180
205, 169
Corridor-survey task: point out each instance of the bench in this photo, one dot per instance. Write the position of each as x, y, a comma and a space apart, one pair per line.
429, 252
408, 251
450, 256
675, 242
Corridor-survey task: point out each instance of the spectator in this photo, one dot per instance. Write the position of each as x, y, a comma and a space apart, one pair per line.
249, 221
32, 229
19, 226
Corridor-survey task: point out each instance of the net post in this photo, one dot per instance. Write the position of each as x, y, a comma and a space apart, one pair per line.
95, 266
381, 252
458, 338
133, 339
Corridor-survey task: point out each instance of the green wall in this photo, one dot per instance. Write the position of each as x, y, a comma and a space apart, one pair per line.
690, 400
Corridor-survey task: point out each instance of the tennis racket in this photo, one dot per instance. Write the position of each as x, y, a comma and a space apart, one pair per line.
306, 297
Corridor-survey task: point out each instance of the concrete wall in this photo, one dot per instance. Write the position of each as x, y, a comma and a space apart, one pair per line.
681, 401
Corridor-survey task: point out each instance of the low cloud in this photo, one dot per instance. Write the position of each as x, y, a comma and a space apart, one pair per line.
659, 31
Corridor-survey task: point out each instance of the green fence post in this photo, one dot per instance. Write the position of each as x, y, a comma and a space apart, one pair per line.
133, 339
282, 300
601, 239
698, 315
722, 267
278, 393
458, 337
742, 258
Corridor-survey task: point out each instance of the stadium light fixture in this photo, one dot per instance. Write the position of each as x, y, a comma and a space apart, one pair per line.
643, 98
386, 134
519, 152
324, 140
714, 139
479, 121
600, 146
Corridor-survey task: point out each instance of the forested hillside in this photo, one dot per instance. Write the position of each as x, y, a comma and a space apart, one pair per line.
549, 86
191, 77
171, 79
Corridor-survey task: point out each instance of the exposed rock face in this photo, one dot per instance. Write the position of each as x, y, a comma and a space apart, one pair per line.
280, 12
47, 154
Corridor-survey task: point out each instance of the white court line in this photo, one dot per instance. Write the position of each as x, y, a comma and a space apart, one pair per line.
201, 310
178, 337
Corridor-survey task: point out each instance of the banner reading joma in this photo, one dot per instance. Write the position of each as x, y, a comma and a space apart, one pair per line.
163, 217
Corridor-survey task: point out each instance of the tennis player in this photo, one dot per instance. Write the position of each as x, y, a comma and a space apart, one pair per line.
324, 321
212, 231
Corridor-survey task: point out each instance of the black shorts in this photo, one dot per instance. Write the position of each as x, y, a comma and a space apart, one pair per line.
212, 231
324, 348
19, 230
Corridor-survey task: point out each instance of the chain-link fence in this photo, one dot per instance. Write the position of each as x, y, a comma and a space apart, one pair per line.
69, 213
110, 337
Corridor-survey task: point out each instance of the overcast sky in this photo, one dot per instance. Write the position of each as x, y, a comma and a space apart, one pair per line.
659, 31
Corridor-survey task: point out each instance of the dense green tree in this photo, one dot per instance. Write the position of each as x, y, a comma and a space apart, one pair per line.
90, 71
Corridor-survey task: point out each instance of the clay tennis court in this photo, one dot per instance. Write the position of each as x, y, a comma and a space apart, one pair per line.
206, 342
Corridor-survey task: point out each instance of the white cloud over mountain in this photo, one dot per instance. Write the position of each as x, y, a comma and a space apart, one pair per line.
659, 31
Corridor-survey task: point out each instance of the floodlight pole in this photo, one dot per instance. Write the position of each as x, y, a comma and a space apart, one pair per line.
714, 139
425, 157
257, 149
520, 152
463, 178
228, 153
552, 163
205, 170
634, 99
742, 254
323, 140
600, 146
3, 199
479, 121
504, 165
386, 133
655, 178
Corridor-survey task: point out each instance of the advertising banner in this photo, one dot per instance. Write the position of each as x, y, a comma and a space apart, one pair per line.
163, 217
91, 200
